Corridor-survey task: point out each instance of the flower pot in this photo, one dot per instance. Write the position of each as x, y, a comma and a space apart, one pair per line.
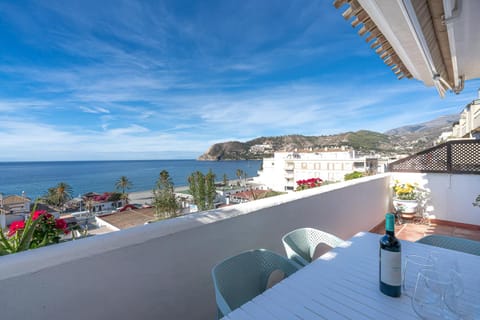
405, 206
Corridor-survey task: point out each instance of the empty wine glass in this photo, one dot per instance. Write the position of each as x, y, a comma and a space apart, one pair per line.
428, 300
413, 265
448, 266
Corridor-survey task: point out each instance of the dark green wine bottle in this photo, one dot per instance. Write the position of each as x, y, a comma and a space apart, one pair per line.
390, 260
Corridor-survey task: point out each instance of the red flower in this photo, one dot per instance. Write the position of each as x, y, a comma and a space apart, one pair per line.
40, 213
61, 225
15, 226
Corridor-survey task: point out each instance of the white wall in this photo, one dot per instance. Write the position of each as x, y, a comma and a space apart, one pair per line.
451, 195
162, 270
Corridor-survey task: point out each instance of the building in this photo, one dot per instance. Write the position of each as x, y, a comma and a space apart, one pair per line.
14, 204
126, 219
261, 148
469, 124
281, 172
99, 203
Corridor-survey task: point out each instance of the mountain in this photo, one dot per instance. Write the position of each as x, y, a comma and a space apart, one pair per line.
443, 123
423, 135
406, 139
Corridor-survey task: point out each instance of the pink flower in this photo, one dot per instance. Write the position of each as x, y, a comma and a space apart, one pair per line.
15, 226
37, 214
61, 225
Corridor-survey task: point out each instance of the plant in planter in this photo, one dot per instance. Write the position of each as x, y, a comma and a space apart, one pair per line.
476, 203
308, 183
407, 198
39, 230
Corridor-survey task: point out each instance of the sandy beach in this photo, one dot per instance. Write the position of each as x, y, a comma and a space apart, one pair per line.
145, 197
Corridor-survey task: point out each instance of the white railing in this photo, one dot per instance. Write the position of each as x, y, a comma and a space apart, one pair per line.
162, 270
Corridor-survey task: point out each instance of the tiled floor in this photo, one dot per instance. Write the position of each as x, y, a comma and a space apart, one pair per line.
413, 231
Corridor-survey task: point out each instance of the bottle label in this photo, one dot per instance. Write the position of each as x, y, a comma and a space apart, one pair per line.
391, 267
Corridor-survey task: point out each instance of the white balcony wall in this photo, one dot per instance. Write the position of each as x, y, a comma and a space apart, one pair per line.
451, 195
162, 270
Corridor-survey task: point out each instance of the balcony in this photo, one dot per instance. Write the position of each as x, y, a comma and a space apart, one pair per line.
162, 270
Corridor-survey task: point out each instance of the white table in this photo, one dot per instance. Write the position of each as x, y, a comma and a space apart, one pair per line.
343, 284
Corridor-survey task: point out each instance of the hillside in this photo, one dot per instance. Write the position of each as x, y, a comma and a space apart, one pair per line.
406, 139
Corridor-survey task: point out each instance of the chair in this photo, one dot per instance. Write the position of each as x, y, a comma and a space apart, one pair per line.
300, 244
453, 243
240, 278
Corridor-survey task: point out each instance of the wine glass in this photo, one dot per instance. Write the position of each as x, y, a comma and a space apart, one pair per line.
413, 265
428, 300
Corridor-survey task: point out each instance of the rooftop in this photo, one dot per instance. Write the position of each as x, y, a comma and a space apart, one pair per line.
129, 218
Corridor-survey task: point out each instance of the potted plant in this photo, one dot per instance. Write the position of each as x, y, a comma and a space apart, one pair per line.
407, 197
476, 203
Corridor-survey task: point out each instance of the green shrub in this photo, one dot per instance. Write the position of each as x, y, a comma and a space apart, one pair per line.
353, 175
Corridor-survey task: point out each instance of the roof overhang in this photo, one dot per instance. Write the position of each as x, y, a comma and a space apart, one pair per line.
434, 41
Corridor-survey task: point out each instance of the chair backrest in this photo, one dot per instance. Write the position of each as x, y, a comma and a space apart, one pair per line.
240, 278
452, 243
300, 244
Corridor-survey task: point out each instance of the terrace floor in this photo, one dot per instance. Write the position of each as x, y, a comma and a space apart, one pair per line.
413, 231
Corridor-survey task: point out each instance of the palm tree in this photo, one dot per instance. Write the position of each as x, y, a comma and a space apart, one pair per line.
239, 173
59, 194
122, 184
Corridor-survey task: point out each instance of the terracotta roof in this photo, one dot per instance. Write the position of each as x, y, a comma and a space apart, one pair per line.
13, 199
130, 218
250, 194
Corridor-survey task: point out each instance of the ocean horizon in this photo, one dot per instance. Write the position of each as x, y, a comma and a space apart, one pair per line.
35, 177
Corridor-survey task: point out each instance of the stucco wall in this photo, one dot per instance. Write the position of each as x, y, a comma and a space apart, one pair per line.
162, 270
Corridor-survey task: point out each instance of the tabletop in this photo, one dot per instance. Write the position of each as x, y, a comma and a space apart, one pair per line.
343, 284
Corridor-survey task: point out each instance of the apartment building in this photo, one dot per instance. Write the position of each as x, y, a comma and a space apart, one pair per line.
281, 172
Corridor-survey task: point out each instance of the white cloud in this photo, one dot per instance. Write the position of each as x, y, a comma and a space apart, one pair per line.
95, 110
133, 129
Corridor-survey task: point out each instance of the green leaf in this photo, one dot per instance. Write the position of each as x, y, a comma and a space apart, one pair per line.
6, 246
27, 234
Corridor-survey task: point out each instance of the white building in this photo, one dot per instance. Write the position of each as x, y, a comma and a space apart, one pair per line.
14, 204
468, 125
281, 172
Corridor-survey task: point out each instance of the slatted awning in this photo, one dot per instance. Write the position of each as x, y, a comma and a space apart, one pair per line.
374, 36
385, 25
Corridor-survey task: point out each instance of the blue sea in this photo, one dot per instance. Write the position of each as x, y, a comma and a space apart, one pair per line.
34, 178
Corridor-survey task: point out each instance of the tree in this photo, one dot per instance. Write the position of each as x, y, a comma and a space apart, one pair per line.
123, 183
239, 173
59, 195
164, 200
210, 190
196, 183
225, 180
202, 188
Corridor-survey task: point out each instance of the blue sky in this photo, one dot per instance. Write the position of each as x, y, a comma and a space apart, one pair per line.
84, 80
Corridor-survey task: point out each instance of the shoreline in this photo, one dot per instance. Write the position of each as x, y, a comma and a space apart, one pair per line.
142, 197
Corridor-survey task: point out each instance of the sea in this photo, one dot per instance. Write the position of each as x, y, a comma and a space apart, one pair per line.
34, 178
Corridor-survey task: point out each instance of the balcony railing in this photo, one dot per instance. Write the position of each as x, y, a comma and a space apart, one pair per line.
456, 156
162, 270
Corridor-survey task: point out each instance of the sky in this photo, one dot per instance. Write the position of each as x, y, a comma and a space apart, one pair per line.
108, 80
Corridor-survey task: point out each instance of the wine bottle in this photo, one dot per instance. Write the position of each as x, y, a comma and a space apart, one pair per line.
390, 260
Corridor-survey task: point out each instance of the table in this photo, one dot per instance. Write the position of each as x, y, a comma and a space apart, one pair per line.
343, 284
